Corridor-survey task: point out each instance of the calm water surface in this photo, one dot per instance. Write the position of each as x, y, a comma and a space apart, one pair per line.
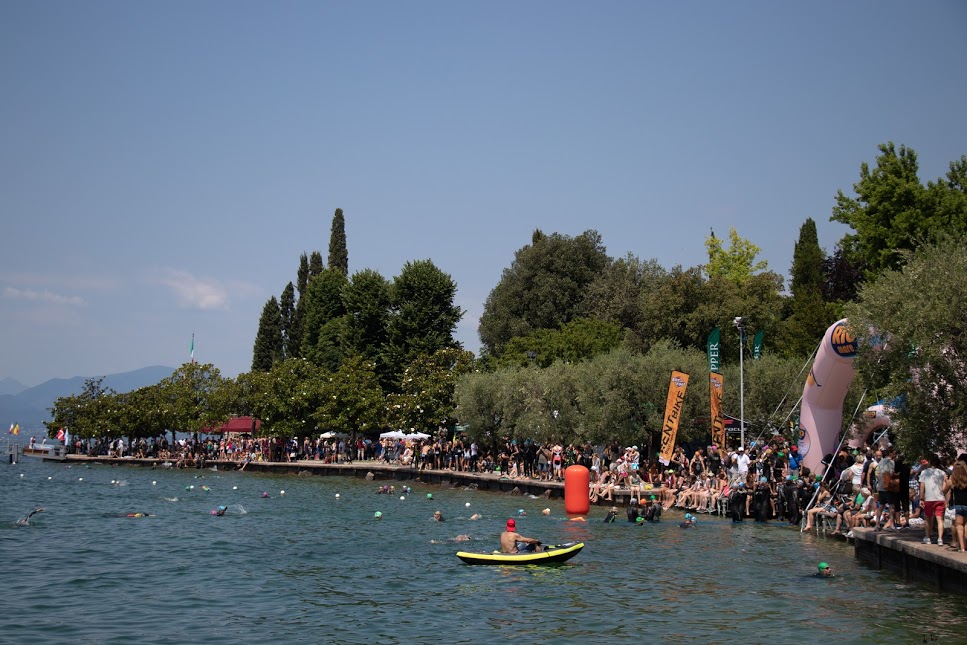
308, 567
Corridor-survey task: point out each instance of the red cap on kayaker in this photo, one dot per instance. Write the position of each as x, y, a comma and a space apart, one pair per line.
511, 525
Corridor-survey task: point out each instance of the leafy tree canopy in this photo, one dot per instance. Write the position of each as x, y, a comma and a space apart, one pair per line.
915, 349
893, 212
737, 263
543, 288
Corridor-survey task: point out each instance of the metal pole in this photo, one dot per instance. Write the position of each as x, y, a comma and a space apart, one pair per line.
741, 386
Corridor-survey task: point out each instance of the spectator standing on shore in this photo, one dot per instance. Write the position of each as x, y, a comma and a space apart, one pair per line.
932, 479
742, 461
886, 503
956, 487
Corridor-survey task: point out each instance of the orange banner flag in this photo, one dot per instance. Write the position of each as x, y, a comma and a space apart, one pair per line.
718, 421
673, 414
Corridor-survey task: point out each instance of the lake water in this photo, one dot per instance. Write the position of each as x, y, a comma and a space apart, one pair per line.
308, 567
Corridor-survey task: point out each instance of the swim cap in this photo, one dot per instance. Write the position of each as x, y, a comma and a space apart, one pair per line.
377, 515
764, 479
652, 498
511, 525
823, 565
520, 511
429, 495
222, 508
640, 520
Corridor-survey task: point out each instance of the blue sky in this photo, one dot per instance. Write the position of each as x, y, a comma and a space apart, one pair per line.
163, 165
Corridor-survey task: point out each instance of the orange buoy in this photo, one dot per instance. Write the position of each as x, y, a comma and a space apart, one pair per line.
577, 494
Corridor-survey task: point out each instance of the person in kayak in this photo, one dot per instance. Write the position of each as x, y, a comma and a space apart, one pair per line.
513, 542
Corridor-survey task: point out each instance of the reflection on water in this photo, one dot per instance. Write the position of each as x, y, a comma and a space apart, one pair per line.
308, 566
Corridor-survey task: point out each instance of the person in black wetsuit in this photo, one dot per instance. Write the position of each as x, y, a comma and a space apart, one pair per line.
790, 498
25, 520
737, 500
611, 516
761, 498
633, 511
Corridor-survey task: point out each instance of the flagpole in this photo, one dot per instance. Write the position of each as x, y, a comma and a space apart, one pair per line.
192, 351
739, 323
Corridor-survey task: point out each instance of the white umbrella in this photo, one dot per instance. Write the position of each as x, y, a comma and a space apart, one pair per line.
418, 435
392, 434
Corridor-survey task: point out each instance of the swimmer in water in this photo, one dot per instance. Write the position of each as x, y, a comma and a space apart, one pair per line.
689, 521
475, 516
459, 538
437, 516
824, 571
25, 520
220, 511
138, 515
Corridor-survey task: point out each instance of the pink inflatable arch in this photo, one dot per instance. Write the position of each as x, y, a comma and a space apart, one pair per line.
876, 418
821, 415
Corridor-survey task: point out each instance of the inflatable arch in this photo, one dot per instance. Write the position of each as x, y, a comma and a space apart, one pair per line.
876, 419
824, 393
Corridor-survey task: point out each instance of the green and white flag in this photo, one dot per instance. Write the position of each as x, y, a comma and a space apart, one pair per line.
713, 350
757, 345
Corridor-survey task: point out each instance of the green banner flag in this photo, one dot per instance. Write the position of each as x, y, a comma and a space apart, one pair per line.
757, 345
713, 350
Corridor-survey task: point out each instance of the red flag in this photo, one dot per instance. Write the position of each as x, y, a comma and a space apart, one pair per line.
60, 435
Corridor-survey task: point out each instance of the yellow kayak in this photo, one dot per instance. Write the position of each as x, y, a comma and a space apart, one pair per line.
550, 555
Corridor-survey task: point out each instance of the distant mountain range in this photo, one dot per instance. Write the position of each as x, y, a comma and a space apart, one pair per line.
28, 406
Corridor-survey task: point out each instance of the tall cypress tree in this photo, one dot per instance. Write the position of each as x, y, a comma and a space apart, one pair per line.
302, 276
287, 316
268, 340
338, 254
315, 264
810, 318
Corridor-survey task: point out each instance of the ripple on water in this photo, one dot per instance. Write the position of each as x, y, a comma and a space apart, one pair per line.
307, 567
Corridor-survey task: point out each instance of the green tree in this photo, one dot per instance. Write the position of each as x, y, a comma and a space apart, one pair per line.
893, 212
338, 253
286, 398
323, 324
842, 278
302, 285
802, 331
758, 299
426, 394
268, 340
737, 263
367, 301
290, 338
352, 399
302, 275
423, 314
615, 294
914, 345
667, 306
78, 413
315, 264
543, 288
197, 397
578, 340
